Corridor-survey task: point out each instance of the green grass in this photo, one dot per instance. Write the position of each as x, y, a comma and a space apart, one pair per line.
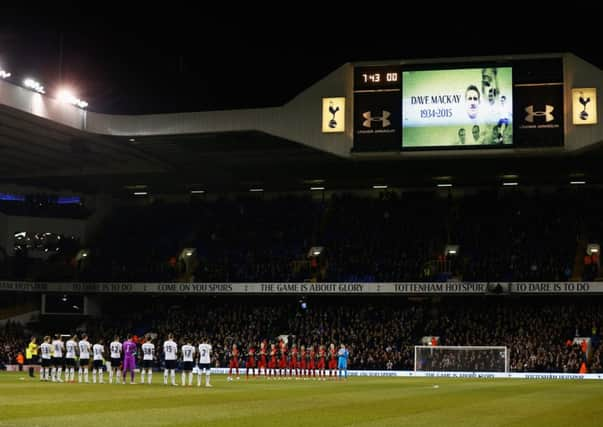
357, 402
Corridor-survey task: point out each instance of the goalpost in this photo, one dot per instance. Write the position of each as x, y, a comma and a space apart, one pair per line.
461, 358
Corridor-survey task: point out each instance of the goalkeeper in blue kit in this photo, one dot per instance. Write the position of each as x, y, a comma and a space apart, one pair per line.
342, 361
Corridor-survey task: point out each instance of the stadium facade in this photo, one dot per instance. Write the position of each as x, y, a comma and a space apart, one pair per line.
545, 82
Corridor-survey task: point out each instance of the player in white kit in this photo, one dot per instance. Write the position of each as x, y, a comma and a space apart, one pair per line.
70, 354
85, 349
57, 358
170, 352
115, 350
148, 354
188, 356
98, 351
45, 352
204, 363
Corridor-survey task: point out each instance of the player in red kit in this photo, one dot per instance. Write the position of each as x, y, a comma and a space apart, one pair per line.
322, 354
262, 362
250, 362
302, 361
282, 362
272, 361
332, 361
234, 362
293, 361
311, 362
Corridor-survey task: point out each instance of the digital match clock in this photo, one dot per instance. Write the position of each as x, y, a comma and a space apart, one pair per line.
367, 78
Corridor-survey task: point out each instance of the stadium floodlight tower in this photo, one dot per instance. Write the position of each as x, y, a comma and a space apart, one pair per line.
462, 358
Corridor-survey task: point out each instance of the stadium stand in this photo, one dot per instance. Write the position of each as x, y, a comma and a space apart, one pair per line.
539, 331
534, 232
517, 235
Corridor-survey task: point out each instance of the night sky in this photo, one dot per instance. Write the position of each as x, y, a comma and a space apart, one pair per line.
136, 63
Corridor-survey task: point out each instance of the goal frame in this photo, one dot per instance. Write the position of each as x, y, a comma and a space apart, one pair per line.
463, 347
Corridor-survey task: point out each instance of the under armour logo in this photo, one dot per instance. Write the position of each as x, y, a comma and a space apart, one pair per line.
547, 113
383, 118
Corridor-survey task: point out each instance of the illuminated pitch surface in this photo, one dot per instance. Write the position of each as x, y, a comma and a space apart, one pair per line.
358, 402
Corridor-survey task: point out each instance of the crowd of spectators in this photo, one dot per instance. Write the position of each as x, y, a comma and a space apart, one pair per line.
535, 332
380, 333
12, 339
502, 236
375, 333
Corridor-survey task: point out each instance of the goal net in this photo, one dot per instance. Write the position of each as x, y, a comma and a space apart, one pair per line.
461, 358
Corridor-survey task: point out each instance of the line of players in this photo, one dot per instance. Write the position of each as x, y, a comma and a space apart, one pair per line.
271, 362
121, 354
302, 363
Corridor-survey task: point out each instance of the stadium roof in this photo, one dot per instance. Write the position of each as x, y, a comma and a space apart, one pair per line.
38, 152
43, 143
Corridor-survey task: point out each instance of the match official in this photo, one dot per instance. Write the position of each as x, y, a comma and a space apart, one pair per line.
31, 356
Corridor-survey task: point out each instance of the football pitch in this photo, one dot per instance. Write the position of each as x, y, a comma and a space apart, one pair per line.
356, 402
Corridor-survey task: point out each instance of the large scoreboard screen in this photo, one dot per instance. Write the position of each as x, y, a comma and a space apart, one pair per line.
459, 107
456, 107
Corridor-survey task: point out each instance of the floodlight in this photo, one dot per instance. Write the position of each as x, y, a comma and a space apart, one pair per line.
34, 85
83, 253
452, 249
65, 95
315, 251
187, 253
